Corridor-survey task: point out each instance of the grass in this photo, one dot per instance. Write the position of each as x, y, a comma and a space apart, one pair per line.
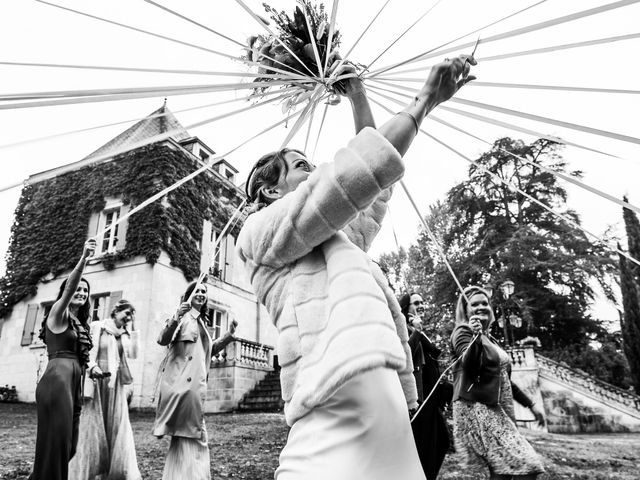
246, 446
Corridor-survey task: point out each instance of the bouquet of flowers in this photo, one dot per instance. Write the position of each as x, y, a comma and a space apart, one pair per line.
295, 47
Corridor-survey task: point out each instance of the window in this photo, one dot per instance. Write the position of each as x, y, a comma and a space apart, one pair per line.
203, 155
110, 239
215, 321
99, 307
217, 266
221, 265
217, 262
36, 314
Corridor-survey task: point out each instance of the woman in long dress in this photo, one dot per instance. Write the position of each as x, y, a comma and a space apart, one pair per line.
342, 345
107, 450
59, 392
183, 386
484, 424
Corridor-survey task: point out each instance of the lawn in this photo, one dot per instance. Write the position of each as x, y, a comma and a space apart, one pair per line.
246, 446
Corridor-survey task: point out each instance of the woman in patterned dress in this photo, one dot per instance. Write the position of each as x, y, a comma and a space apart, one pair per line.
484, 425
106, 444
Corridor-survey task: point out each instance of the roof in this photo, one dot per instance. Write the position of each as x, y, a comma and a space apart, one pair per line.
231, 167
162, 121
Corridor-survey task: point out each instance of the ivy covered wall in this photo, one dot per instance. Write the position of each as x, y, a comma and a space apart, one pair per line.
52, 218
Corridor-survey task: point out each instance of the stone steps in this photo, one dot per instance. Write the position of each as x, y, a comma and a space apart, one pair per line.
265, 397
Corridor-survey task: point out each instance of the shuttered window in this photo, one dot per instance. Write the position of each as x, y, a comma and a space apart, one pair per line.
29, 324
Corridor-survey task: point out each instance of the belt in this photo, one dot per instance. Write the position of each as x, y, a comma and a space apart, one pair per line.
73, 356
64, 354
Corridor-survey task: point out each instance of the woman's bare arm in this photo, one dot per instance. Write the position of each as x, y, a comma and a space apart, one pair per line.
55, 320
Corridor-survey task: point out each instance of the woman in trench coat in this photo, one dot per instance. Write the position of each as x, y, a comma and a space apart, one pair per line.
183, 387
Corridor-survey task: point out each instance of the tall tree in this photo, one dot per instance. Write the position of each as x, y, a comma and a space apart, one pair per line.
630, 288
491, 233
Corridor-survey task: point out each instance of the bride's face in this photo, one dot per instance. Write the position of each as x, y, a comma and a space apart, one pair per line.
299, 169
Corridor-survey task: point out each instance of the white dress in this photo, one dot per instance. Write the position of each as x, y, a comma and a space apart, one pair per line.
361, 432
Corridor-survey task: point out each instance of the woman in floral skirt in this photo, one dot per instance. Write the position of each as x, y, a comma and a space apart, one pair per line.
484, 425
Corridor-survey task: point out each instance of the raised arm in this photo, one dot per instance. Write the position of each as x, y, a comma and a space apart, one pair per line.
440, 86
170, 325
353, 89
55, 320
335, 193
226, 339
444, 80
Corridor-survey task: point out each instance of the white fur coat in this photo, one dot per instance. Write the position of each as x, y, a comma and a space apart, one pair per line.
305, 257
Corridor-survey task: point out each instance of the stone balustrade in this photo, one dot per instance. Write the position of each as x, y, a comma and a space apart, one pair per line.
581, 381
246, 352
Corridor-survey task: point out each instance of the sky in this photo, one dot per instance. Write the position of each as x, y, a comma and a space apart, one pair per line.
35, 32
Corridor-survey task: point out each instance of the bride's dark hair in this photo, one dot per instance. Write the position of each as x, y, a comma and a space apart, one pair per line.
267, 172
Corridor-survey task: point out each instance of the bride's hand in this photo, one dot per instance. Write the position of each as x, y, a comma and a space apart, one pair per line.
347, 86
449, 76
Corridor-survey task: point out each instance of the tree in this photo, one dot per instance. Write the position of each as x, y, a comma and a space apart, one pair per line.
491, 233
630, 288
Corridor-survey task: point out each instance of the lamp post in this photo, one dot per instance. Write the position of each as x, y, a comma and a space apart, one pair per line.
507, 288
507, 316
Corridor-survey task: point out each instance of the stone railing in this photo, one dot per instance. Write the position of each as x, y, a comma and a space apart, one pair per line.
581, 381
246, 352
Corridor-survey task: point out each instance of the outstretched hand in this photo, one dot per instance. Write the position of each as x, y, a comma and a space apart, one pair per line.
347, 86
449, 76
89, 248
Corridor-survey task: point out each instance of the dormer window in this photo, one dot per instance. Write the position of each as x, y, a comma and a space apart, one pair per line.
203, 155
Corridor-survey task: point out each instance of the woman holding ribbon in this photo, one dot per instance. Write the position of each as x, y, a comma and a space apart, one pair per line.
484, 425
65, 331
183, 386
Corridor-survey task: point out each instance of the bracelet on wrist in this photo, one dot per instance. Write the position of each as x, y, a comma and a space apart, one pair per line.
415, 120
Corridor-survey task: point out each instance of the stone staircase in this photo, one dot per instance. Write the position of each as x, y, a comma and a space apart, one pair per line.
614, 397
573, 401
265, 397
